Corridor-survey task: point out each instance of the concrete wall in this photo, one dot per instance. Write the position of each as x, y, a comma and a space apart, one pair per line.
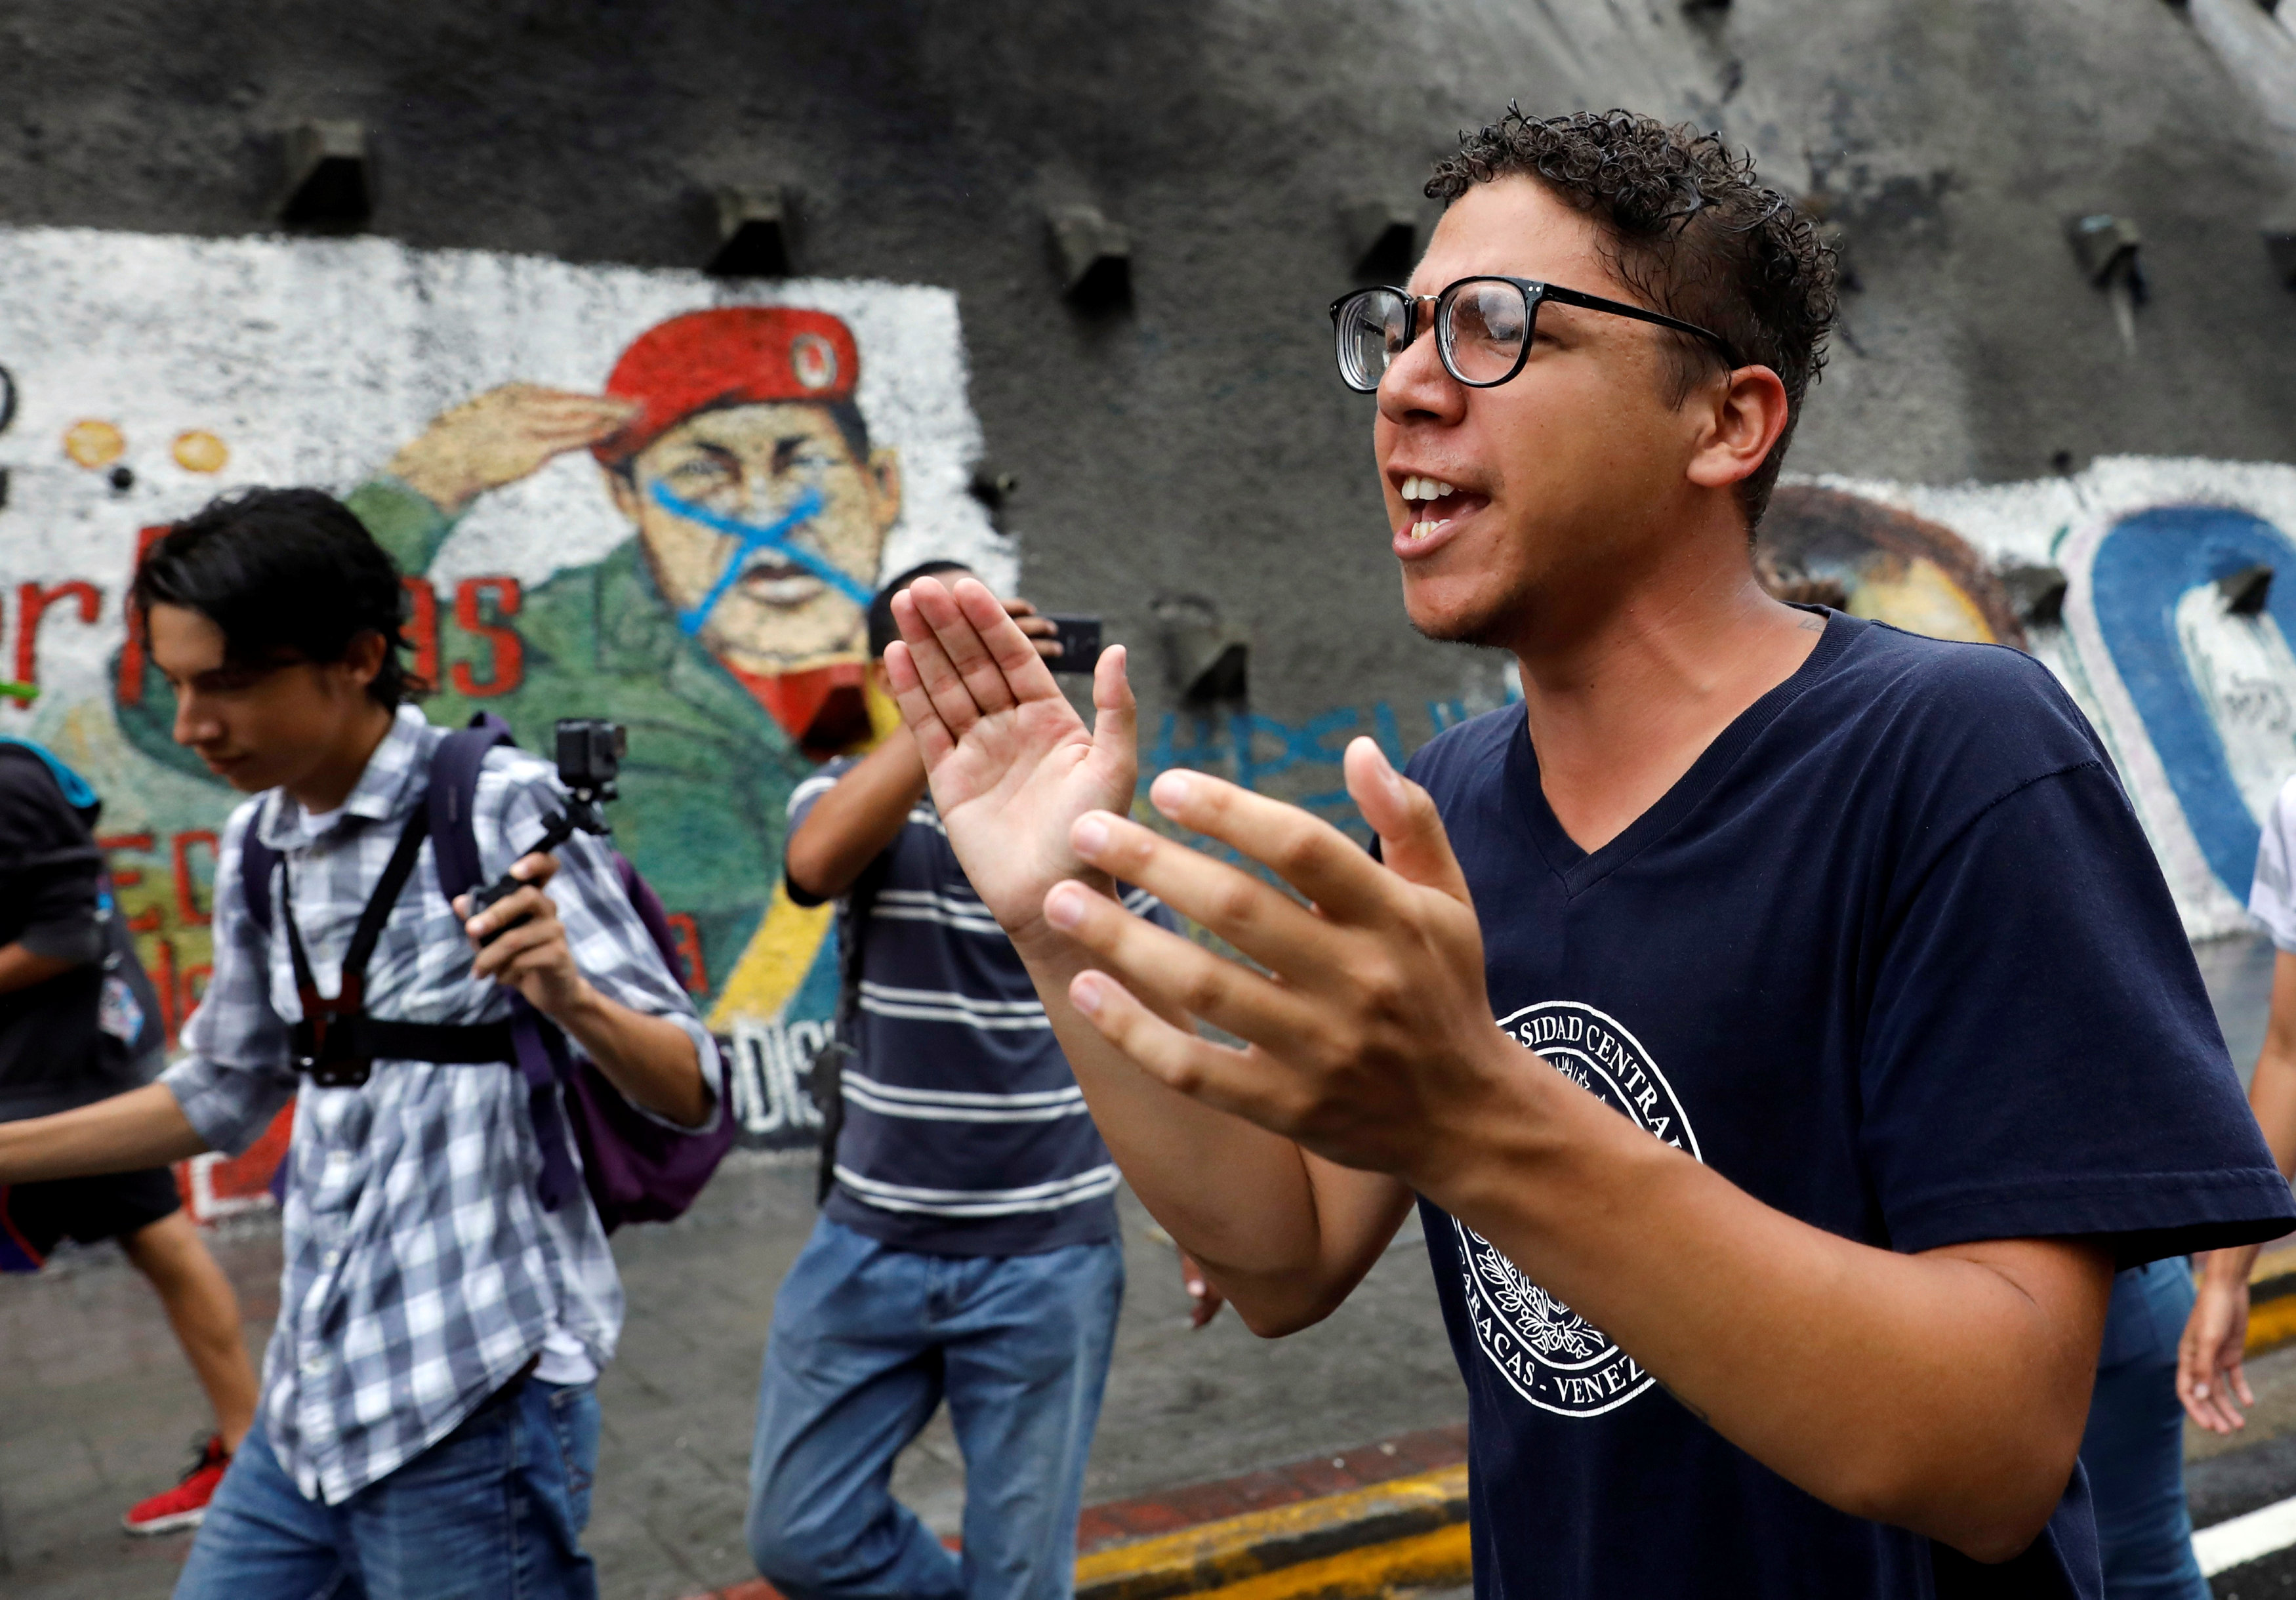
543, 179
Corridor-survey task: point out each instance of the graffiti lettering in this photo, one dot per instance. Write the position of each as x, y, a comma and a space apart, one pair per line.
688, 934
32, 602
773, 1065
1257, 750
128, 877
508, 670
423, 628
170, 919
188, 909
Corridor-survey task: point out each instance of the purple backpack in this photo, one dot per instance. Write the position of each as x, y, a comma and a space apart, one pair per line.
636, 1169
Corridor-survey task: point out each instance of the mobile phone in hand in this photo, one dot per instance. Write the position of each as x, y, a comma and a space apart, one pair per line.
1079, 642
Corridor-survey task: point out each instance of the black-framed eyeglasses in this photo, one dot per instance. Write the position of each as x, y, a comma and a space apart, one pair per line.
1482, 325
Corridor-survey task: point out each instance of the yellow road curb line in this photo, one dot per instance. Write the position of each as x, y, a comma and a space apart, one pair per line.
2271, 1324
1406, 1530
1422, 1560
2272, 1299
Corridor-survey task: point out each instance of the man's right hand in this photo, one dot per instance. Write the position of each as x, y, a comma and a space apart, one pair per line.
1011, 763
505, 434
2209, 1379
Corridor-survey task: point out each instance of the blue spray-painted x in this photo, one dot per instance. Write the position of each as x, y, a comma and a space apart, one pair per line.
753, 538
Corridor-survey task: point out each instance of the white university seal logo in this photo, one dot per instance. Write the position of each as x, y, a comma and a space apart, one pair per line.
1549, 1353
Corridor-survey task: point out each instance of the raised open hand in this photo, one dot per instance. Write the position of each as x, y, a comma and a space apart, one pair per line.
508, 433
1011, 763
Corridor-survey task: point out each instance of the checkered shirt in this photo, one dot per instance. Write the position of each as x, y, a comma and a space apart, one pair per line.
422, 1271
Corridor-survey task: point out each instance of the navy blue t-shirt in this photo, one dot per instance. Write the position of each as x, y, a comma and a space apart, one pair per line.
1895, 957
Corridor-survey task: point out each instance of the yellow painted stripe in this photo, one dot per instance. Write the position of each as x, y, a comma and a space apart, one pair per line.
1264, 1543
1438, 1557
2271, 1324
775, 963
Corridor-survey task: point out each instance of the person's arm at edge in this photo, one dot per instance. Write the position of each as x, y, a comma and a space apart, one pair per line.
1284, 1234
128, 1132
22, 967
2210, 1379
850, 825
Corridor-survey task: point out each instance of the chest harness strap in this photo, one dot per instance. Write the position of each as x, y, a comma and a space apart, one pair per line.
336, 1041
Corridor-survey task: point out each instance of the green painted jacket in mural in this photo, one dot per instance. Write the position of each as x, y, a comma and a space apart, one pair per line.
708, 772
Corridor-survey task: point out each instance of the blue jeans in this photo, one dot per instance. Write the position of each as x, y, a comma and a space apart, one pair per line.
2134, 1446
867, 1341
494, 1511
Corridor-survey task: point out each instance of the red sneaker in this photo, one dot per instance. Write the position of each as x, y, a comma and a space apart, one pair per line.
185, 1505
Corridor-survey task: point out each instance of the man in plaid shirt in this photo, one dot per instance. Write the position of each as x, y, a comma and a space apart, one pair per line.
428, 1424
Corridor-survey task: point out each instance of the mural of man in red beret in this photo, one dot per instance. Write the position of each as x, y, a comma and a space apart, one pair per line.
729, 633
731, 440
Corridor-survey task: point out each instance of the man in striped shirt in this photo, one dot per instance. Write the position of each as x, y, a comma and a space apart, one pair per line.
968, 1248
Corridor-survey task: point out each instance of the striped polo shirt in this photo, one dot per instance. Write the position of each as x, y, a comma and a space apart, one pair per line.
965, 1132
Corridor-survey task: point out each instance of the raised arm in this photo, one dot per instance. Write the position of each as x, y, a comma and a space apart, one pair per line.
1283, 1234
850, 825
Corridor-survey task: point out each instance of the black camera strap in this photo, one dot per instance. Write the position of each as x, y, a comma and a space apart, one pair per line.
336, 1041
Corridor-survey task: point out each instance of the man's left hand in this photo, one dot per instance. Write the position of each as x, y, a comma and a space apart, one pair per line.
530, 956
1371, 1041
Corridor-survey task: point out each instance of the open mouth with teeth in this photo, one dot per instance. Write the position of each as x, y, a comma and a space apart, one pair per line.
1433, 504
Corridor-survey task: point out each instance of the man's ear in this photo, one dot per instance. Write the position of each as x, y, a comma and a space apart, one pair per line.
363, 659
1738, 425
884, 476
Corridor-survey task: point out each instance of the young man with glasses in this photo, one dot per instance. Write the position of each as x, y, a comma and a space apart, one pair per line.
1779, 1018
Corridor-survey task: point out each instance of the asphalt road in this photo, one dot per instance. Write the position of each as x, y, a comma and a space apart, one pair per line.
96, 1403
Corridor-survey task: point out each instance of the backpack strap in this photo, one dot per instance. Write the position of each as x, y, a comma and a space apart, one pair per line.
257, 862
77, 792
455, 768
536, 1043
327, 1043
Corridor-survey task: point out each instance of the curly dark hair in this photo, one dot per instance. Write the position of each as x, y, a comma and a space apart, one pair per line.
289, 575
1687, 228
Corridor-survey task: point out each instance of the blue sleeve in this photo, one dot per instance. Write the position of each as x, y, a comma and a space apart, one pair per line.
2040, 1058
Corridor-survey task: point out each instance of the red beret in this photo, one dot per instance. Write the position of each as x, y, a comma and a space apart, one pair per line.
732, 355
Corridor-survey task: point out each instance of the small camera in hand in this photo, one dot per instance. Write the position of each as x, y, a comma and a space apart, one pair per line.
590, 751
